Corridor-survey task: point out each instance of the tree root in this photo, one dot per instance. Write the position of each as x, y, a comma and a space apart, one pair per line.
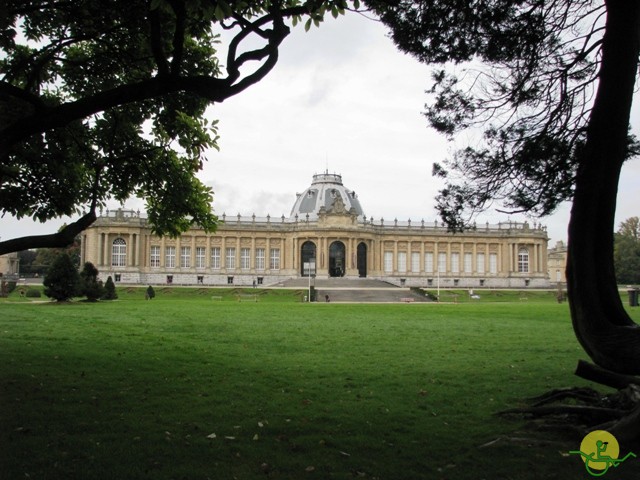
584, 409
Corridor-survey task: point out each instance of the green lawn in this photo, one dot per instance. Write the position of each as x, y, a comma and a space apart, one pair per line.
186, 387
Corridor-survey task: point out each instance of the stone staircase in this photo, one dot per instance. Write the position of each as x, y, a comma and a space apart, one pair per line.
361, 290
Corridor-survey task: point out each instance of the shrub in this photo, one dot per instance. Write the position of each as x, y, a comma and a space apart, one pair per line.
92, 288
62, 281
150, 293
109, 290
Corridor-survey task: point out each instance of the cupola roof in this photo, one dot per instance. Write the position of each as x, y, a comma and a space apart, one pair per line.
326, 191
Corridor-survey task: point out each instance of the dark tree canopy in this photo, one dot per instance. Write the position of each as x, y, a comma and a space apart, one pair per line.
550, 84
105, 100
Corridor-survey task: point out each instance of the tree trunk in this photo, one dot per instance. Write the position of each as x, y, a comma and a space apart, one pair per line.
601, 324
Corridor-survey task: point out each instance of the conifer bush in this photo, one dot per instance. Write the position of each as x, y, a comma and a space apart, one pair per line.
62, 280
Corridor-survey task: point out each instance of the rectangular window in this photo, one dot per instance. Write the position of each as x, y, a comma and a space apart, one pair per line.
455, 262
442, 262
185, 257
388, 262
155, 256
215, 258
245, 259
402, 262
274, 259
260, 258
231, 258
523, 260
493, 263
415, 262
428, 262
480, 263
468, 262
170, 257
200, 257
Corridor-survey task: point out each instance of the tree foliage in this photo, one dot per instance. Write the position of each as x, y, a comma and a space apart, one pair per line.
62, 281
519, 77
102, 102
627, 252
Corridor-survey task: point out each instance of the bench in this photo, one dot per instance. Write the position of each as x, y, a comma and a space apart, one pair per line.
407, 299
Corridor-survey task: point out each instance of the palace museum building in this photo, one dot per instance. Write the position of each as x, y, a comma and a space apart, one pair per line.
327, 235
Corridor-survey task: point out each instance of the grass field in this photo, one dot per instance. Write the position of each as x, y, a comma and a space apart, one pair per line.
186, 387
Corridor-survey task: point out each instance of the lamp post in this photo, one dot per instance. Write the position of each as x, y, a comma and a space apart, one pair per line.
310, 270
310, 277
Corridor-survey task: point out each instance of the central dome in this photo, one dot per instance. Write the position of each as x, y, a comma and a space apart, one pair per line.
326, 191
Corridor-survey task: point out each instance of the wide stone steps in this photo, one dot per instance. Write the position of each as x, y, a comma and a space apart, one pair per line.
362, 290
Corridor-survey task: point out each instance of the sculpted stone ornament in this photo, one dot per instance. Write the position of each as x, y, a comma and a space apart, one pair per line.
337, 207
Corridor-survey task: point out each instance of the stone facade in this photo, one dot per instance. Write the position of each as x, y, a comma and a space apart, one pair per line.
557, 261
326, 235
9, 266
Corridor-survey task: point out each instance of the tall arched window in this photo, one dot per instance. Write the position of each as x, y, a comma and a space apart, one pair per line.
523, 260
119, 253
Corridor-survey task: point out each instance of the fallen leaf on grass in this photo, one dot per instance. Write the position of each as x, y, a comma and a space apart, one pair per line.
213, 435
310, 468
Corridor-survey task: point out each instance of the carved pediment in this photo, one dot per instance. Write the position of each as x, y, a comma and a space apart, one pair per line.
337, 214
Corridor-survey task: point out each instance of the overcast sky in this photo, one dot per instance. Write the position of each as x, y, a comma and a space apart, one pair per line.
340, 98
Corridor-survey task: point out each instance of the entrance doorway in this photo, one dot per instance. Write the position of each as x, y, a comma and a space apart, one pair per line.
336, 259
308, 259
362, 260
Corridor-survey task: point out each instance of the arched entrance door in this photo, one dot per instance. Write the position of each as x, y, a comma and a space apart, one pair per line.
362, 260
308, 259
336, 259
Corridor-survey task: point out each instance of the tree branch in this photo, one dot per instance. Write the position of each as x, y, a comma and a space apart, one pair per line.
156, 43
63, 238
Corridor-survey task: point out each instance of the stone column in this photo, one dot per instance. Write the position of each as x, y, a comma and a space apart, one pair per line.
394, 265
193, 252
106, 252
436, 254
163, 253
